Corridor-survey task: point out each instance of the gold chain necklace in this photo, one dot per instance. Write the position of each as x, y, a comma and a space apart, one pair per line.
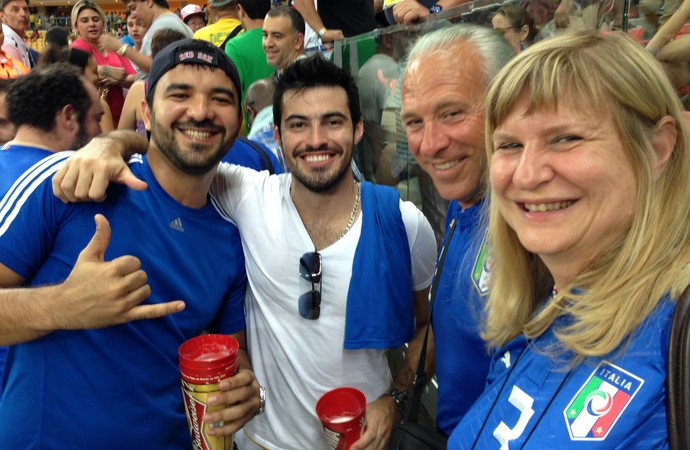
353, 214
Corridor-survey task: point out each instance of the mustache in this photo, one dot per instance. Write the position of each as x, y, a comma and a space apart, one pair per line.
205, 124
322, 148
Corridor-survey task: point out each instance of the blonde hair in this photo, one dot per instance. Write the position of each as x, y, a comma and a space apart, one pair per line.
610, 75
81, 6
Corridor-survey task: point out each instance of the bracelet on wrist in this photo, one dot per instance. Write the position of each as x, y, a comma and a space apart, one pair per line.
436, 8
321, 32
123, 50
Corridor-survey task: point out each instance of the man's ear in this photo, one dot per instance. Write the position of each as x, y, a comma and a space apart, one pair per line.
251, 113
359, 131
299, 41
276, 136
67, 118
145, 114
663, 142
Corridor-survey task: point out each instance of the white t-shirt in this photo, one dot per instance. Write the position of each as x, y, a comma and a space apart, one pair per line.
298, 360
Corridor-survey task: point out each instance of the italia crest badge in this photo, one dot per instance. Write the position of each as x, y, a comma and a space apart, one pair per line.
483, 266
600, 402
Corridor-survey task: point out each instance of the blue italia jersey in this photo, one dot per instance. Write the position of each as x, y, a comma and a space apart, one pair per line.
117, 387
462, 360
537, 402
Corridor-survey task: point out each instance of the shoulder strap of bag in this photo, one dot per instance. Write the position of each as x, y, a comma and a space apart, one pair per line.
412, 413
265, 160
232, 34
678, 376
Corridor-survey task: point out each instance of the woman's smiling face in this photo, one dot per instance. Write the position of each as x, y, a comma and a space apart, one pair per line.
563, 182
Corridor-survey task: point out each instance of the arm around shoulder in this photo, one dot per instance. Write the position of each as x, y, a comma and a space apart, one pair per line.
86, 174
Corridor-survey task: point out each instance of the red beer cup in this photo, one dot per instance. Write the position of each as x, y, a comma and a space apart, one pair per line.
204, 361
341, 412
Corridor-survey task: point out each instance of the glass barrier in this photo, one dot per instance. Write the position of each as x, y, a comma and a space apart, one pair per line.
375, 59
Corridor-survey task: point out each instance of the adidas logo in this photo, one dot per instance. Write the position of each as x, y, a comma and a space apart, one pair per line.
177, 225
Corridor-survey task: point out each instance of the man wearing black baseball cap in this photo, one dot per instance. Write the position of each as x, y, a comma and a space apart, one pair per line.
177, 114
191, 52
96, 358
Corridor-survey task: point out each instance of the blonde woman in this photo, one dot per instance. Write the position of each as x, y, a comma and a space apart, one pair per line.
115, 71
588, 222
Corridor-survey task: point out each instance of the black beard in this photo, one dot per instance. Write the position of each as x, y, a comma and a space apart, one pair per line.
165, 142
321, 181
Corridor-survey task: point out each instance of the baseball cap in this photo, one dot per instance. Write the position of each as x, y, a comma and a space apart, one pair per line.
196, 52
216, 3
191, 10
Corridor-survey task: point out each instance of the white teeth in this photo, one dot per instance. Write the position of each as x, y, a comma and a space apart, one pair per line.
316, 158
542, 207
446, 165
194, 134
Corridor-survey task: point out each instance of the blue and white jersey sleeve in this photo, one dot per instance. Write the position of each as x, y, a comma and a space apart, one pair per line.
29, 213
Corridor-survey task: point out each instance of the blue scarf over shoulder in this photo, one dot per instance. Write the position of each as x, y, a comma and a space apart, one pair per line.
380, 308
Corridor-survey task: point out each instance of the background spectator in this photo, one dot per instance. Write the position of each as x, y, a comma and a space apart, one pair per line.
155, 15
336, 19
226, 26
246, 50
516, 25
10, 67
115, 71
193, 16
15, 21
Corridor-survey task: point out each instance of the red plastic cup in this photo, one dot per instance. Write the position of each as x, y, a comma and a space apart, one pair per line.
204, 361
341, 412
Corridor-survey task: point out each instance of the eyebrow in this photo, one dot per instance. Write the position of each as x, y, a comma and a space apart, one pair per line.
222, 90
465, 106
326, 115
186, 86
